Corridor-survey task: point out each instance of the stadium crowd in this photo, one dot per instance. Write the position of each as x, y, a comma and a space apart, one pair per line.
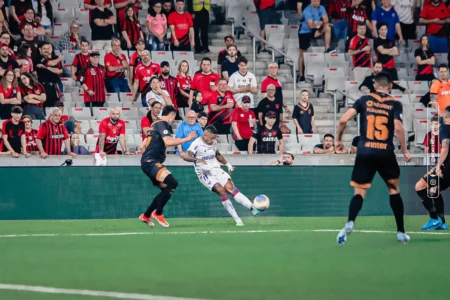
31, 71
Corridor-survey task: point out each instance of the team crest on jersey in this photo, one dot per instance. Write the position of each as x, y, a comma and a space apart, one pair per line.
277, 106
302, 112
162, 84
38, 92
93, 72
148, 71
242, 115
220, 100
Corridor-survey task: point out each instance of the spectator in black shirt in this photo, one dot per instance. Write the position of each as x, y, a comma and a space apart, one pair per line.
29, 39
425, 60
367, 84
327, 146
386, 50
167, 8
14, 133
266, 136
48, 70
6, 62
102, 21
202, 119
269, 104
197, 105
303, 115
223, 54
230, 65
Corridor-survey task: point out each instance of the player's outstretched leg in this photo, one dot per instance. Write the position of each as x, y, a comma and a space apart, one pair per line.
157, 214
353, 211
220, 190
434, 222
397, 207
240, 198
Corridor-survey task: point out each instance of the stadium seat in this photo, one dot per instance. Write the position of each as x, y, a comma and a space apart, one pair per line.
276, 41
335, 60
94, 124
91, 139
236, 13
222, 139
292, 32
85, 125
129, 112
420, 129
415, 98
252, 22
66, 97
361, 73
63, 14
308, 141
113, 97
275, 29
291, 138
69, 55
131, 124
404, 99
159, 56
223, 148
419, 113
418, 87
183, 55
81, 113
137, 138
115, 104
130, 139
100, 112
142, 111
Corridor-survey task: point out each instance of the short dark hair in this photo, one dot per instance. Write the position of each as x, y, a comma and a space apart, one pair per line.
202, 114
328, 135
154, 103
291, 155
168, 109
381, 24
4, 32
242, 59
383, 79
304, 91
361, 24
222, 79
232, 46
211, 129
85, 41
44, 43
378, 63
434, 119
443, 66
205, 59
153, 78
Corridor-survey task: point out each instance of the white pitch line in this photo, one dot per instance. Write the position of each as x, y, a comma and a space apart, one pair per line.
211, 232
115, 295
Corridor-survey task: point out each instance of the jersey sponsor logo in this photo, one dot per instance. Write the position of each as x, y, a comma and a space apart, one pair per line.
57, 136
444, 93
358, 18
370, 103
112, 140
376, 145
165, 131
269, 139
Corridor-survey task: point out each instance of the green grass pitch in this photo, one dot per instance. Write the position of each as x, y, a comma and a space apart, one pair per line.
269, 258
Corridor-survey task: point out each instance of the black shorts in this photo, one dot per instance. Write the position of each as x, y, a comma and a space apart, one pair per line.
304, 39
268, 17
367, 165
408, 31
153, 170
431, 180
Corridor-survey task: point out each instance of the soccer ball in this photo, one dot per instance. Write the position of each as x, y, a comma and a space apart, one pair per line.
261, 202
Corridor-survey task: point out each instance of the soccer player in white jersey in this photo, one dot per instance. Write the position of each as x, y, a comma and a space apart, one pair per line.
207, 159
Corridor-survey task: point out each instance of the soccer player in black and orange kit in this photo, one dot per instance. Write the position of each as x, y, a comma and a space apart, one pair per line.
159, 137
438, 178
380, 117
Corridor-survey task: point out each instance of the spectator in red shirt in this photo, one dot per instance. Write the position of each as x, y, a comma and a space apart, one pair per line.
94, 83
33, 94
337, 12
360, 49
182, 29
81, 61
169, 83
120, 6
13, 131
30, 135
184, 84
144, 72
135, 59
112, 132
220, 106
435, 15
116, 64
243, 123
204, 81
52, 134
131, 29
152, 116
432, 142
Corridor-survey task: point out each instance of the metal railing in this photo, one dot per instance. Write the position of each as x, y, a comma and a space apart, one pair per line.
256, 36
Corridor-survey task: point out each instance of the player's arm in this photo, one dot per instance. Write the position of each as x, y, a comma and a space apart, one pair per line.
189, 156
101, 143
23, 142
281, 146
365, 85
348, 115
224, 162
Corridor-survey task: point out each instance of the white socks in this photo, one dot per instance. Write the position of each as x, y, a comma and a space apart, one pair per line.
241, 199
229, 207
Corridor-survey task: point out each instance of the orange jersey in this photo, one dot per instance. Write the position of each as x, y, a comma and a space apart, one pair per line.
442, 90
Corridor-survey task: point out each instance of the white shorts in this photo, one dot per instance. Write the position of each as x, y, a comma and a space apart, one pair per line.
214, 176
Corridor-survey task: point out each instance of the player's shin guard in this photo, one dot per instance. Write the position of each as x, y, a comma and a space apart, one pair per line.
398, 210
427, 202
355, 207
439, 205
241, 199
166, 193
229, 207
